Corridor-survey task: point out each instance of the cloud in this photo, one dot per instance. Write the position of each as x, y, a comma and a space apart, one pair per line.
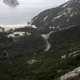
11, 3
25, 10
40, 3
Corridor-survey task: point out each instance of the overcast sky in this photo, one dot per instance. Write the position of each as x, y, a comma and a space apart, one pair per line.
25, 10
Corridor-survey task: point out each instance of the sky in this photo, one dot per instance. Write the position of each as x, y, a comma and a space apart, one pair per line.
25, 11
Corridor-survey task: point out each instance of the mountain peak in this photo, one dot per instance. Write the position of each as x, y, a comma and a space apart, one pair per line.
60, 17
75, 0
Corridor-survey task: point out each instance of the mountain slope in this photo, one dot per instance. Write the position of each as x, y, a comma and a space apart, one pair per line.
59, 17
27, 57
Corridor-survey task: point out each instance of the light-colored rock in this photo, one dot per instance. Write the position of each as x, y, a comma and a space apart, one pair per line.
73, 75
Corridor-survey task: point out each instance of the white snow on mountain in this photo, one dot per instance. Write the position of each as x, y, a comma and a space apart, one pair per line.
63, 56
74, 53
46, 37
32, 61
48, 46
72, 14
64, 5
45, 18
57, 17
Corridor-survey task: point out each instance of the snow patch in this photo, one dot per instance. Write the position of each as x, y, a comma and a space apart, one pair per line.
57, 17
75, 53
45, 18
48, 46
51, 28
32, 61
63, 57
64, 5
33, 26
35, 18
46, 37
71, 15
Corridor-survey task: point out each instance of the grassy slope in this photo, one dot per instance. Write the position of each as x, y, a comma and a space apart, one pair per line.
49, 65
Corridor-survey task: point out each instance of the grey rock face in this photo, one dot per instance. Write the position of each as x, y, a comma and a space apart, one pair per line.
65, 15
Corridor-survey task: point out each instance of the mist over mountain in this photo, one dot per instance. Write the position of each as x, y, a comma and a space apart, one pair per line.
25, 11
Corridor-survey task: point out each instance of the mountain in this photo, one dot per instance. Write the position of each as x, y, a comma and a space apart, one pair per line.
64, 21
51, 50
60, 17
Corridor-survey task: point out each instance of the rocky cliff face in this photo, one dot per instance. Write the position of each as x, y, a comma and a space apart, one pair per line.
60, 17
63, 24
